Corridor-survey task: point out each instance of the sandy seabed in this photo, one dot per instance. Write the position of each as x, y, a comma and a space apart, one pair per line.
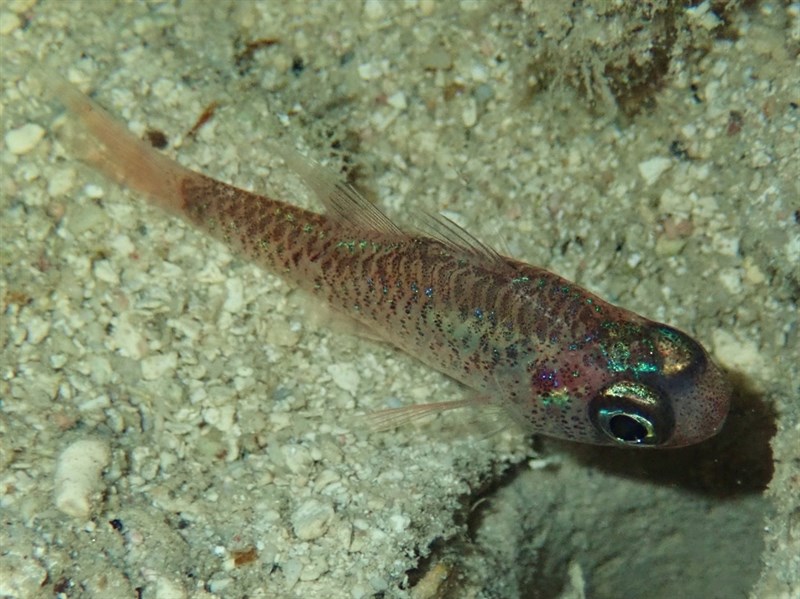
176, 423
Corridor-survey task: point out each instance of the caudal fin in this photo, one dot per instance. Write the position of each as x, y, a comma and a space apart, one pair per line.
105, 144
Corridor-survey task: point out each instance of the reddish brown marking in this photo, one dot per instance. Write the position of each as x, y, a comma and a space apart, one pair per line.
157, 138
735, 122
243, 557
204, 117
251, 47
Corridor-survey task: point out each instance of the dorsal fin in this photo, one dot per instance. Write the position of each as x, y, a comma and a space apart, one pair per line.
343, 203
351, 209
457, 239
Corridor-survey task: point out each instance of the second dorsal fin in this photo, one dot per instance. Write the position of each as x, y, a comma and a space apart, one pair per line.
457, 239
343, 203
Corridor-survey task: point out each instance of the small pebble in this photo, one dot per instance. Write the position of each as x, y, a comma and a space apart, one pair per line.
218, 585
652, 169
60, 182
101, 402
345, 376
57, 361
284, 333
24, 139
86, 217
436, 59
739, 354
8, 22
78, 476
370, 71
399, 522
397, 100
379, 584
311, 519
221, 417
731, 279
234, 300
469, 115
374, 10
314, 569
161, 586
159, 366
298, 459
105, 272
292, 569
703, 16
20, 575
38, 329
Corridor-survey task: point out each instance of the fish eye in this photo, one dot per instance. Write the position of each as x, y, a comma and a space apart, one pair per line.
626, 428
630, 413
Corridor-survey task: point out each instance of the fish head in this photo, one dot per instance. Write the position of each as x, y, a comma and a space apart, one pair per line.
659, 388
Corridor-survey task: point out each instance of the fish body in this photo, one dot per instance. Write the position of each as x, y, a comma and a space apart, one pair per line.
559, 359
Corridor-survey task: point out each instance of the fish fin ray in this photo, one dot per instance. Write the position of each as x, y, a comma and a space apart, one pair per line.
342, 203
383, 420
107, 145
457, 239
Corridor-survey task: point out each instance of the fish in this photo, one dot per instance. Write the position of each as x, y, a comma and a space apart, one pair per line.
559, 360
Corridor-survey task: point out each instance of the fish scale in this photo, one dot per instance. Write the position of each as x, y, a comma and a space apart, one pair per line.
559, 359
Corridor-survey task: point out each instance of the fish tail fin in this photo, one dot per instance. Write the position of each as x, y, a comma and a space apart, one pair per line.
109, 147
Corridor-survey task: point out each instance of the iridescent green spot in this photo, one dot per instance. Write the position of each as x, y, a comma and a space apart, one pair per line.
671, 335
308, 228
520, 280
559, 398
349, 244
617, 355
645, 367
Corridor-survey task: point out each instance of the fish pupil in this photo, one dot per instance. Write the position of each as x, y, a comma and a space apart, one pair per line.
627, 429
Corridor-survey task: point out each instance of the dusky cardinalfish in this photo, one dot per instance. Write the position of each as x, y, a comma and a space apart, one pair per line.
560, 360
